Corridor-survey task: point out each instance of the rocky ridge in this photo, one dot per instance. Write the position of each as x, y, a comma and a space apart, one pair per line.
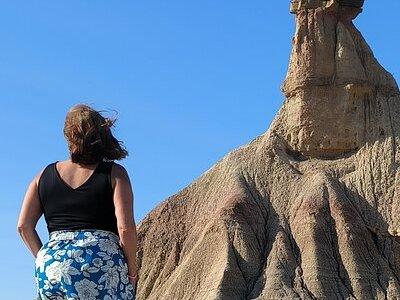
307, 210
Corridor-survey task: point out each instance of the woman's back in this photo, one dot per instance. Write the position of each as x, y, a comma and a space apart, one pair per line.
83, 258
88, 203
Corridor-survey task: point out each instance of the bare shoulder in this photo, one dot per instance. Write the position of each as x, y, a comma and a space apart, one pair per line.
118, 170
38, 175
118, 173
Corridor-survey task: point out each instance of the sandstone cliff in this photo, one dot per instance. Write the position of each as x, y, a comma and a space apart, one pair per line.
309, 209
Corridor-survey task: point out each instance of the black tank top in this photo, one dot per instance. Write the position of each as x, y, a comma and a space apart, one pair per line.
88, 206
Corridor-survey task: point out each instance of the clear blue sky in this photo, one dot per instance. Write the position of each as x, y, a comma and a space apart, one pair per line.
191, 81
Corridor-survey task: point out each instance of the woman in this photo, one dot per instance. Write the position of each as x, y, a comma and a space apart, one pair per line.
87, 203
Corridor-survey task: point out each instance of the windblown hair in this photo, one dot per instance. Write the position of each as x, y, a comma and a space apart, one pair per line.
89, 136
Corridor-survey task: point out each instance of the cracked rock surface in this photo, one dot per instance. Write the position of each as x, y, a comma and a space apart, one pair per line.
309, 209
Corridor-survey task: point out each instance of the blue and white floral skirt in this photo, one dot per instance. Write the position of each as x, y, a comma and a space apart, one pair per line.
84, 264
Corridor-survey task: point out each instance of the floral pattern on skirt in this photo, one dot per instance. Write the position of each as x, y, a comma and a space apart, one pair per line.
84, 264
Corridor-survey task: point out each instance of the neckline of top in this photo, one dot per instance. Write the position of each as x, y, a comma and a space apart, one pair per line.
82, 185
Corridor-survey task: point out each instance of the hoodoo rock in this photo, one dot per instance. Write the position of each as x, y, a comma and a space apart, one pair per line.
308, 210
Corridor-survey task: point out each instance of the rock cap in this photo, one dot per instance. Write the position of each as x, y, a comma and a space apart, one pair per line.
332, 5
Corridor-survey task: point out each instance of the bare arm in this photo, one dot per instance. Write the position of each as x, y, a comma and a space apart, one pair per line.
29, 215
123, 201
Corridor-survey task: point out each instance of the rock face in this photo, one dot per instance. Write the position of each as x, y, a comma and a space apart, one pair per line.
309, 209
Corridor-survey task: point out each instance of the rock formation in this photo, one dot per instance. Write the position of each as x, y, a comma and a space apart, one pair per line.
307, 210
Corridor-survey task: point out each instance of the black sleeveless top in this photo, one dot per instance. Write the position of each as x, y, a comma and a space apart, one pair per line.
88, 206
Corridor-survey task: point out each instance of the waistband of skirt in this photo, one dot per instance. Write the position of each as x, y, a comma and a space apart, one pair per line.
76, 234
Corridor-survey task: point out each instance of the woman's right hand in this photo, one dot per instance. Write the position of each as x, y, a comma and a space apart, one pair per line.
133, 280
